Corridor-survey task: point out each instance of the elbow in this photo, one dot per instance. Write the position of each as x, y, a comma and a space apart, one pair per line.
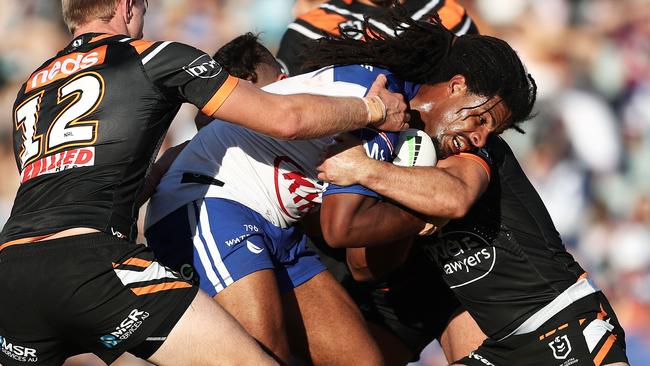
459, 207
336, 240
337, 235
362, 275
288, 125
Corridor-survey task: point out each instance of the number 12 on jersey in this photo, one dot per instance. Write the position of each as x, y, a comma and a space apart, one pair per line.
83, 93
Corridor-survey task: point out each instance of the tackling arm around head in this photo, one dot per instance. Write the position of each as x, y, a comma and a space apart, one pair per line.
447, 190
306, 116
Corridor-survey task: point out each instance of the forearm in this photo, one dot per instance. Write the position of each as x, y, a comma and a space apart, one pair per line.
426, 190
306, 116
382, 223
353, 220
318, 116
372, 264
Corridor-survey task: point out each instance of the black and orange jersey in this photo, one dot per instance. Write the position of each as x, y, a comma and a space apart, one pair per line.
504, 260
87, 125
336, 15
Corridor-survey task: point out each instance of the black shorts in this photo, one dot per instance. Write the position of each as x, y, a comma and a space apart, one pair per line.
87, 293
585, 333
414, 303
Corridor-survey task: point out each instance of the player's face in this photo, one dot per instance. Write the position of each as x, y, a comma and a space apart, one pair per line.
460, 121
467, 126
136, 23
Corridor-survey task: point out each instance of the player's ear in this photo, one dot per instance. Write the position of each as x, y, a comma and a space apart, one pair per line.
281, 76
457, 84
128, 8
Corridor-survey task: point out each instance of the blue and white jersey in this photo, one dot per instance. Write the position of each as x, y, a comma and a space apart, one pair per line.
275, 178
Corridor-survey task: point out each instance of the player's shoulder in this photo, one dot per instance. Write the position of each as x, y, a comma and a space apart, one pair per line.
168, 50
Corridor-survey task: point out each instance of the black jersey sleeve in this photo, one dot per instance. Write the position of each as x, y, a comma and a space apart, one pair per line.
185, 74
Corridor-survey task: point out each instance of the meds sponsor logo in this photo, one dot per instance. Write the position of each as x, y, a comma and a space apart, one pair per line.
465, 257
65, 66
125, 329
17, 352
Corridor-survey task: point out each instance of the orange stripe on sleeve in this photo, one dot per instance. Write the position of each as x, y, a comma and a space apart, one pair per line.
99, 38
600, 356
141, 45
220, 96
485, 166
159, 287
451, 14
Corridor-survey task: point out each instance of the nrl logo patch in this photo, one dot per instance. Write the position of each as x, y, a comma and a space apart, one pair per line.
561, 347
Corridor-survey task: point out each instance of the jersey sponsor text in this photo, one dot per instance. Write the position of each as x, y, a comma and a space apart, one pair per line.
65, 66
64, 160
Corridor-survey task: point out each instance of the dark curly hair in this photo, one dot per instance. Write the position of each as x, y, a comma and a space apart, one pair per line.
426, 52
241, 56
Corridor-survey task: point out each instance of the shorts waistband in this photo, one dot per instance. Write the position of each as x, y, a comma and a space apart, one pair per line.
31, 247
575, 292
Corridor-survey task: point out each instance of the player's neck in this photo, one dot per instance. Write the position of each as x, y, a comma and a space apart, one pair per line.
99, 26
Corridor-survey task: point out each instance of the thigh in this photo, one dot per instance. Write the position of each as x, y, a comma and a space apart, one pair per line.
91, 293
222, 339
325, 323
416, 307
254, 301
211, 243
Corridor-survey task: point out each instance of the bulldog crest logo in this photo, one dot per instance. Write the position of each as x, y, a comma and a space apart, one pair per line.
561, 347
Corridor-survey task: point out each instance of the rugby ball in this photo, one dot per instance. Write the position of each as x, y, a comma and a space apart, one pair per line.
415, 148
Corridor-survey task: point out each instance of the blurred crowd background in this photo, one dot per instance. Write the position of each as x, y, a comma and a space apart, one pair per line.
587, 151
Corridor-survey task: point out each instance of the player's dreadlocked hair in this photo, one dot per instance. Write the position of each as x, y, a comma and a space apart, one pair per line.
428, 53
241, 56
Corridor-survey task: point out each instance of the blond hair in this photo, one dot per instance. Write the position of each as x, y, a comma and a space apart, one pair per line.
79, 12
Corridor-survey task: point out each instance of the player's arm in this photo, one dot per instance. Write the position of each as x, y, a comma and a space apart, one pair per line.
352, 220
448, 190
305, 116
372, 264
184, 74
158, 169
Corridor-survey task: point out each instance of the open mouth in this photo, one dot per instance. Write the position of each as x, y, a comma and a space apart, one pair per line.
457, 145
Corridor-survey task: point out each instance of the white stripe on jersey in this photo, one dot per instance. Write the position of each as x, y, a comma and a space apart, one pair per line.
304, 31
200, 249
204, 224
425, 9
155, 52
595, 331
153, 272
463, 30
125, 39
387, 140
